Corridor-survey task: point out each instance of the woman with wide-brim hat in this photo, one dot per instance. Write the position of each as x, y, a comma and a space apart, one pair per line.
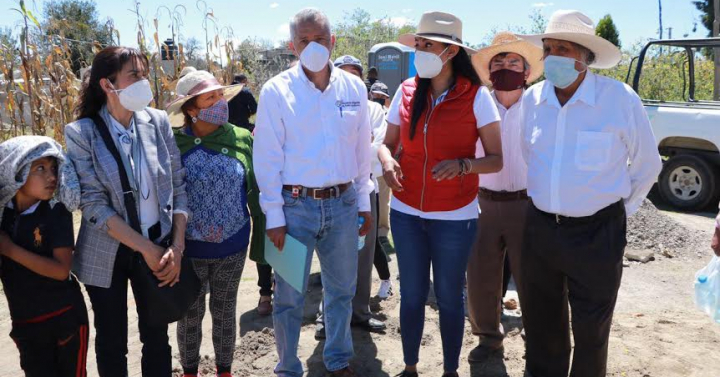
429, 162
224, 200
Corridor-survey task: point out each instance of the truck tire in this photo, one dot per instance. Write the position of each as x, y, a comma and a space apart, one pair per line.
688, 182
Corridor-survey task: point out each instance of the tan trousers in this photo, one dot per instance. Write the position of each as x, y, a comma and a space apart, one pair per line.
384, 208
500, 231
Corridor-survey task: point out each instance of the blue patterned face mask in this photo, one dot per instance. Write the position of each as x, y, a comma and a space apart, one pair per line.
560, 71
216, 114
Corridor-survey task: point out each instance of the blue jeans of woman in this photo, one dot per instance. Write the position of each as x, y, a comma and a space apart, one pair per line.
444, 246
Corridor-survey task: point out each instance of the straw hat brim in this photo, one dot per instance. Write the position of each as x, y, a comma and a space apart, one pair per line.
607, 55
531, 53
409, 40
174, 109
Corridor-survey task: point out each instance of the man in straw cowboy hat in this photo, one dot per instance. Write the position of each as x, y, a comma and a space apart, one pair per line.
508, 64
592, 158
312, 158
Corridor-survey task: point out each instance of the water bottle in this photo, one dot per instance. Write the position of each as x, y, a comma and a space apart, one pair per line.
703, 295
361, 239
707, 289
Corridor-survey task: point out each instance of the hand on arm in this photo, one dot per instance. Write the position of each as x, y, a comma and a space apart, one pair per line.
57, 267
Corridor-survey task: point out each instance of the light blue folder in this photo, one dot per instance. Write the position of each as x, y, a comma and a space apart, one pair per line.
290, 264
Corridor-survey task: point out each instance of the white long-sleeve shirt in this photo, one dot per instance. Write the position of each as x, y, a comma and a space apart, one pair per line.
596, 150
513, 176
378, 127
311, 138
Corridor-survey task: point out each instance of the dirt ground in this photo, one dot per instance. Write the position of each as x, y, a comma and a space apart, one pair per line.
657, 332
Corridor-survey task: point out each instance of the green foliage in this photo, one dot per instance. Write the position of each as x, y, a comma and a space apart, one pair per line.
77, 21
708, 13
357, 33
665, 75
606, 29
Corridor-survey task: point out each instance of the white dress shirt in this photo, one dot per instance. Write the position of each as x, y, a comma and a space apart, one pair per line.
596, 150
378, 126
485, 113
147, 192
311, 138
513, 176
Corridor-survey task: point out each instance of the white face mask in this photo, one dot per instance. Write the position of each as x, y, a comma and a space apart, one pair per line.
315, 57
428, 65
136, 96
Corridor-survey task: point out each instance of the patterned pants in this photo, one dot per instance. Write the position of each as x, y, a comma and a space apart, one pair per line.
221, 277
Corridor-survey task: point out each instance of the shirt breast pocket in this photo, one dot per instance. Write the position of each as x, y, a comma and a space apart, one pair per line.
592, 151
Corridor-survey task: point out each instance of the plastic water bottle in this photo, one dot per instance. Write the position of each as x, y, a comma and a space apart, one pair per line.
361, 239
703, 296
707, 289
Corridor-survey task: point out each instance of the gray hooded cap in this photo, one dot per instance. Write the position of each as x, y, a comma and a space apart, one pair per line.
16, 157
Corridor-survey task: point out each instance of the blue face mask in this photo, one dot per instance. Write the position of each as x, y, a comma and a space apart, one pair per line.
560, 71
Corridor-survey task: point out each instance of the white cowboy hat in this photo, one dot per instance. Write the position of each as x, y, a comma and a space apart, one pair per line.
505, 43
573, 26
437, 26
192, 85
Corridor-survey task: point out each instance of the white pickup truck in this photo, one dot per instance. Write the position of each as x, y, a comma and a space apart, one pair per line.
688, 135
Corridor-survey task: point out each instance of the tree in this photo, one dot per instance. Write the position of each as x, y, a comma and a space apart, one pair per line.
708, 14
606, 28
77, 22
357, 33
191, 48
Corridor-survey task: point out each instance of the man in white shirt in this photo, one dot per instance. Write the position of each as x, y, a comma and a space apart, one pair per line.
362, 316
312, 157
508, 64
592, 158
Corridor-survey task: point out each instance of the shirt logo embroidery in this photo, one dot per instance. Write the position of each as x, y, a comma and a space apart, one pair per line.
341, 105
38, 237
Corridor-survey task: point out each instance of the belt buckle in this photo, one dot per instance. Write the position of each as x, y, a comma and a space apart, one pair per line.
314, 194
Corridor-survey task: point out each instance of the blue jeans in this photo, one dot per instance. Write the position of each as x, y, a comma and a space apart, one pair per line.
445, 245
331, 227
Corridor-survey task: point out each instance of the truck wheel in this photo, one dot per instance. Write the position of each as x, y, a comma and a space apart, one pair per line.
688, 182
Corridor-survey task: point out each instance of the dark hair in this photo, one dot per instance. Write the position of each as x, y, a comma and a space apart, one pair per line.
185, 107
239, 79
106, 65
461, 66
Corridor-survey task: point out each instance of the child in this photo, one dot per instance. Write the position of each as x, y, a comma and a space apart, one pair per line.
49, 318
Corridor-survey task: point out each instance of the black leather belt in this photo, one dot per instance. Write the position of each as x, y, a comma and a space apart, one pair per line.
317, 193
613, 210
502, 196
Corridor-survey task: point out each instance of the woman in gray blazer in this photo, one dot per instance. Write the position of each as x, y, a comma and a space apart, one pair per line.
109, 251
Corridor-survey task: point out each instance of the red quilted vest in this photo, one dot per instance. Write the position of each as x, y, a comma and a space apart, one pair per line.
448, 132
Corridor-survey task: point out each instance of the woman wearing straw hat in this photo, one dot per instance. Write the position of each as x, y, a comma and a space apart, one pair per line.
508, 64
592, 158
434, 123
223, 197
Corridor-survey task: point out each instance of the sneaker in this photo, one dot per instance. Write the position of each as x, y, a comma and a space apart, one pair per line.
385, 290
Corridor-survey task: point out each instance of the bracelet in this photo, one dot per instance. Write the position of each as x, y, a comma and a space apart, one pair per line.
468, 166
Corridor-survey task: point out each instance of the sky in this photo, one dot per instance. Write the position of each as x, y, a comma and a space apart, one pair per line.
636, 20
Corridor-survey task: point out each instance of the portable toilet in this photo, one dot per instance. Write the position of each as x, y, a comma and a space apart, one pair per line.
395, 63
